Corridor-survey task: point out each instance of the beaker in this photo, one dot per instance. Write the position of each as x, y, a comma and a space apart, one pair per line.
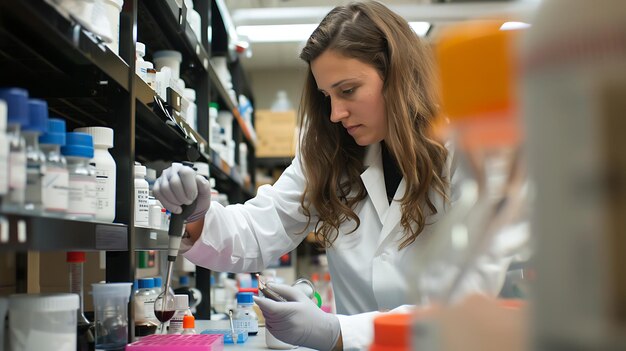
111, 315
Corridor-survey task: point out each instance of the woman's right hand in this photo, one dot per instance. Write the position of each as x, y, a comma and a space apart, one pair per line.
180, 185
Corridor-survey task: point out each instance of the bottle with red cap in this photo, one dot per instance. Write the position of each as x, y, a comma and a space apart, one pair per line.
85, 335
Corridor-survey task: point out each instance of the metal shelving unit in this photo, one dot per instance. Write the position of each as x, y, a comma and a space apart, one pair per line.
87, 84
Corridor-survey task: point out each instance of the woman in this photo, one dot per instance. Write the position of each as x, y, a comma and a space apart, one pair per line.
369, 182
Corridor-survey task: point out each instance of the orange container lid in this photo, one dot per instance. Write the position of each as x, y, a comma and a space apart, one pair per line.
75, 257
189, 322
392, 332
478, 68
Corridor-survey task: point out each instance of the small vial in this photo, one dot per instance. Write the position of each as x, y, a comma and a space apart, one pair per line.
56, 178
181, 303
245, 317
189, 325
142, 190
17, 114
78, 151
105, 171
35, 158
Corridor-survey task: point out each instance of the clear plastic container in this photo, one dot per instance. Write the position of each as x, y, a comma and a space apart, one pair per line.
43, 322
111, 314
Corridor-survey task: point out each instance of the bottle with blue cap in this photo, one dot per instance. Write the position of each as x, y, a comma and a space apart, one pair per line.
145, 319
17, 115
78, 151
56, 178
245, 316
4, 150
35, 158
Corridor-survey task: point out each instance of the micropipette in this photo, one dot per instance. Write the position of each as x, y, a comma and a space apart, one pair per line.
175, 233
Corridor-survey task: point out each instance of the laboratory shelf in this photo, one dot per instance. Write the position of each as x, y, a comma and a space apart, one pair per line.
160, 133
40, 45
162, 25
150, 239
24, 231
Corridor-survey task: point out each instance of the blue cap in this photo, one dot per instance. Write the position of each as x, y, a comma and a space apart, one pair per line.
55, 134
78, 144
183, 280
17, 104
158, 282
146, 283
245, 297
37, 116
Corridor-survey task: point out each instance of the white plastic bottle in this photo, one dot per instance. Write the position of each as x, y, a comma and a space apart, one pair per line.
56, 179
105, 171
191, 113
245, 317
17, 115
181, 303
78, 151
142, 190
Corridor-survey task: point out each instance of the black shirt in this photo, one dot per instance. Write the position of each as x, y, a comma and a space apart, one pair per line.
392, 173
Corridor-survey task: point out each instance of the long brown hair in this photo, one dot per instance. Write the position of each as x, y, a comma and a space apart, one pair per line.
333, 162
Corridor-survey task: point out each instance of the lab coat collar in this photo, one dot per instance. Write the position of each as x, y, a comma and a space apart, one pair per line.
374, 180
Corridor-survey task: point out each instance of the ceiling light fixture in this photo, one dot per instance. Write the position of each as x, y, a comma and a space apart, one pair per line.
298, 32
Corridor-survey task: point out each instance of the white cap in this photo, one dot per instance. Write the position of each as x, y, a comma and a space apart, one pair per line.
102, 136
111, 290
189, 94
3, 116
140, 48
43, 302
202, 168
170, 54
151, 173
181, 301
140, 171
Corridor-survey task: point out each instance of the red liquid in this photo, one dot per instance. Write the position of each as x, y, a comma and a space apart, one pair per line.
164, 316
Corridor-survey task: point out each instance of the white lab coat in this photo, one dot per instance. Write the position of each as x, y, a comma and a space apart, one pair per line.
368, 272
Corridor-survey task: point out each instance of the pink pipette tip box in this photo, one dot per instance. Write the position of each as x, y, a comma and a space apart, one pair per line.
193, 342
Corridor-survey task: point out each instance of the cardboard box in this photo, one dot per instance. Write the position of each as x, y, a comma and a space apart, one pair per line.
276, 133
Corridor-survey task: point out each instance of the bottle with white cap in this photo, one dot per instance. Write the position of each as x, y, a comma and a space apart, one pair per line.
181, 304
190, 109
105, 171
142, 190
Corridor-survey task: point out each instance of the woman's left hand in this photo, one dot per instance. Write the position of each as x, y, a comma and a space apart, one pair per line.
299, 321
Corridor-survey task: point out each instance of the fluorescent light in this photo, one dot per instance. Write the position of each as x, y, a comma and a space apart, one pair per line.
421, 28
277, 33
298, 32
514, 25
